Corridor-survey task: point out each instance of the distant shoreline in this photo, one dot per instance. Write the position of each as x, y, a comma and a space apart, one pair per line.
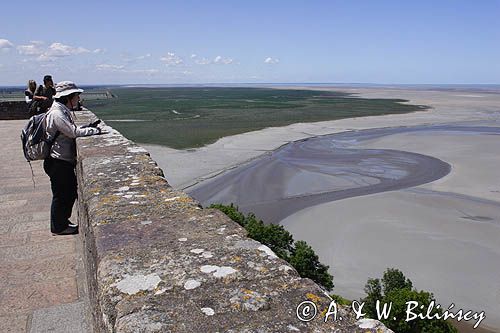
417, 86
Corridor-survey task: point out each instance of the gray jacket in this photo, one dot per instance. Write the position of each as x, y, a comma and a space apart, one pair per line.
59, 119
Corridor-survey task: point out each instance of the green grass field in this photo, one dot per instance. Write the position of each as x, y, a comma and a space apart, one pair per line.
192, 117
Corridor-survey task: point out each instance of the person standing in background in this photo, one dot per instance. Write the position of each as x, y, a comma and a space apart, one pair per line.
44, 95
30, 92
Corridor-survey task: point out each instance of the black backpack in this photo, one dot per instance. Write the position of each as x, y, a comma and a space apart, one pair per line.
33, 107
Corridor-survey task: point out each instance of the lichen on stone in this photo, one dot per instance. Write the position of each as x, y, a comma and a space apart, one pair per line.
249, 300
268, 251
132, 284
191, 284
224, 271
209, 268
208, 311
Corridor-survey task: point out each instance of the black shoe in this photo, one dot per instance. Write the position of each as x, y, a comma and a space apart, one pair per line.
67, 231
71, 224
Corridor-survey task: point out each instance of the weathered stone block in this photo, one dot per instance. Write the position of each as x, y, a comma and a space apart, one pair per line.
13, 110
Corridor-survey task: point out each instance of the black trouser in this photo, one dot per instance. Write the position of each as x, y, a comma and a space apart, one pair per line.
64, 192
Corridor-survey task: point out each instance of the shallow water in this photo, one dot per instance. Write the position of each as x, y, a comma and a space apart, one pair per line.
326, 168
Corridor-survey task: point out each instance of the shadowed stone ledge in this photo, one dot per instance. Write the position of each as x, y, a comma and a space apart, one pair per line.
13, 110
157, 262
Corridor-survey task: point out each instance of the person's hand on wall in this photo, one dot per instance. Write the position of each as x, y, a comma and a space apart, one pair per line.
93, 124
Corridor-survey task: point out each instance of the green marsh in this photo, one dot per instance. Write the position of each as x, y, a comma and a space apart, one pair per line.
185, 117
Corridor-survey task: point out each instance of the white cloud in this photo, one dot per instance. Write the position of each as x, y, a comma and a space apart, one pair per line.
142, 71
148, 55
5, 44
221, 60
202, 61
108, 67
172, 60
45, 57
270, 60
54, 51
122, 69
217, 60
62, 50
59, 50
130, 59
97, 51
32, 49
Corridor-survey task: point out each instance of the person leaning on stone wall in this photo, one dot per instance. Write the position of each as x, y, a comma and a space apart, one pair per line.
60, 166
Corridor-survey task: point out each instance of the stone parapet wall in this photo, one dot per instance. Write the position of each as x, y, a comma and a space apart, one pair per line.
13, 110
157, 262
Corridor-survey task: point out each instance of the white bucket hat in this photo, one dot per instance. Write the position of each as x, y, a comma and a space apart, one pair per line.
65, 88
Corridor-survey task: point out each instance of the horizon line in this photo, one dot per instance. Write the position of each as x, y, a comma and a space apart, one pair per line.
276, 83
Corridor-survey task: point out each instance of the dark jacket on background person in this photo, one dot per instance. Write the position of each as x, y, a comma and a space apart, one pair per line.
48, 92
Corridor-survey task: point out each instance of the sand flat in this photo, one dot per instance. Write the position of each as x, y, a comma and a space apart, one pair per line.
474, 159
443, 235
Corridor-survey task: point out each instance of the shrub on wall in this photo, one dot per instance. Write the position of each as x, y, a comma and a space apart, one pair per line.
299, 254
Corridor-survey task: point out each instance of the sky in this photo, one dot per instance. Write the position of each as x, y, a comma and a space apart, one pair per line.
272, 41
